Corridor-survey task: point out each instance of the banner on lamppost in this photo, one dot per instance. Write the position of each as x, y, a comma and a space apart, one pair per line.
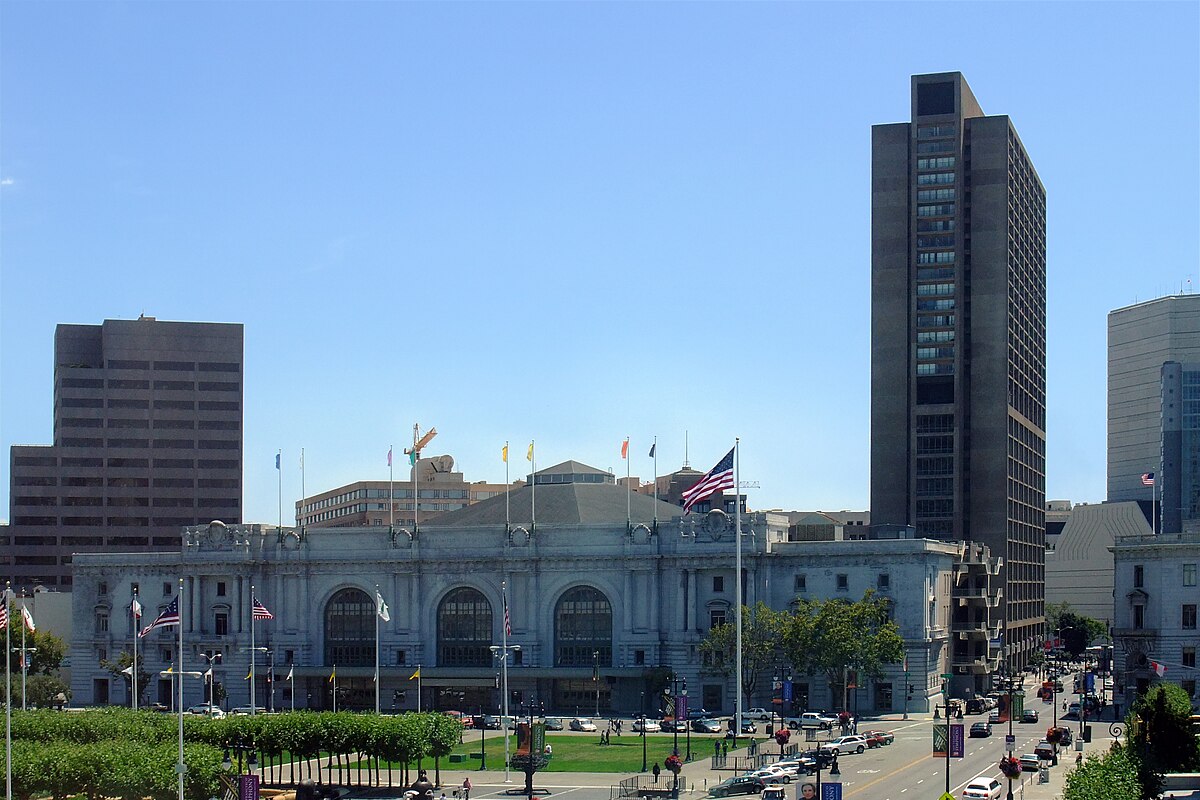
958, 741
247, 787
787, 691
539, 737
681, 706
831, 791
941, 740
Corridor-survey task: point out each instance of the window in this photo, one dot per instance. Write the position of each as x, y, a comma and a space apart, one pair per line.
934, 195
937, 210
133, 588
350, 629
582, 626
102, 653
935, 179
936, 321
925, 353
927, 337
935, 258
1139, 617
1189, 574
716, 617
935, 131
518, 657
401, 658
166, 588
935, 305
102, 587
102, 623
928, 289
718, 583
843, 582
884, 581
1189, 657
164, 654
464, 626
1188, 686
639, 657
220, 588
936, 147
946, 162
800, 583
221, 624
1188, 617
1139, 575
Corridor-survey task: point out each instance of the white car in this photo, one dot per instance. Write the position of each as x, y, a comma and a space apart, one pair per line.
983, 788
760, 714
846, 744
649, 725
816, 719
778, 773
204, 709
583, 724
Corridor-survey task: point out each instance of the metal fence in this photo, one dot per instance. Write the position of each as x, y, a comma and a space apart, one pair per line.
645, 786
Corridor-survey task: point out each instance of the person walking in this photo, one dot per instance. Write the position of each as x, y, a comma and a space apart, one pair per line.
656, 770
466, 787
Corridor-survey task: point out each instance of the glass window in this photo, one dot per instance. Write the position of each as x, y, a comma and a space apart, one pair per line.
927, 289
1189, 657
800, 583
1139, 617
1138, 575
935, 336
936, 321
1189, 574
582, 626
936, 147
935, 131
843, 581
933, 195
350, 629
926, 225
1188, 617
944, 162
935, 178
940, 210
935, 241
464, 629
935, 305
718, 583
935, 352
716, 617
936, 258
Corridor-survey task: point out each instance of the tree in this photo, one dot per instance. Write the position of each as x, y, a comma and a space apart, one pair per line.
47, 691
1077, 630
836, 635
1160, 736
1111, 776
118, 667
50, 649
762, 629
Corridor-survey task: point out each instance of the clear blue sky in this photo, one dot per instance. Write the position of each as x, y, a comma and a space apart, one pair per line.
564, 221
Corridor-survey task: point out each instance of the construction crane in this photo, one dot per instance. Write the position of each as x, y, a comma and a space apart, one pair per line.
419, 442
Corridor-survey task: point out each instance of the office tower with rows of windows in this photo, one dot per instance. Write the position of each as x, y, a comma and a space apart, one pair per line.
958, 354
147, 439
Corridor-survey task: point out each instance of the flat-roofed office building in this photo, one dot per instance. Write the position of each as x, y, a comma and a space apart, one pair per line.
958, 353
147, 439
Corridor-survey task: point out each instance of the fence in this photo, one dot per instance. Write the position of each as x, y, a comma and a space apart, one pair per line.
645, 786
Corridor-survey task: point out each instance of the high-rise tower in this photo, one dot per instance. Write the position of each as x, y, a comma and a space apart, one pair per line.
147, 439
958, 347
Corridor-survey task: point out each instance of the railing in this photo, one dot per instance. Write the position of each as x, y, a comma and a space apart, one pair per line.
647, 786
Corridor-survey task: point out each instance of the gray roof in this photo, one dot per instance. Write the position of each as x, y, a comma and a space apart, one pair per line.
573, 467
561, 504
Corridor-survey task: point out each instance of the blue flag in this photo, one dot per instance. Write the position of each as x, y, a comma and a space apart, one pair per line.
277, 461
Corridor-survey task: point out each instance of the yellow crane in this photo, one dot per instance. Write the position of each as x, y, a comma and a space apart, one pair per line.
419, 442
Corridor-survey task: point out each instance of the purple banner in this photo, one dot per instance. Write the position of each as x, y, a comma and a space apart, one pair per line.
958, 742
681, 707
247, 787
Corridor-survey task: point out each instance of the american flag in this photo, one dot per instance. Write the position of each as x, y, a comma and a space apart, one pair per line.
507, 619
168, 617
1147, 479
716, 479
259, 611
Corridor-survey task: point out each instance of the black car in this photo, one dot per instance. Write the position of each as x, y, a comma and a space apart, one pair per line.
742, 784
706, 726
1029, 715
981, 729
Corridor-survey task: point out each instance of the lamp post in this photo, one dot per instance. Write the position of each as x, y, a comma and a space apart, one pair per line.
180, 767
687, 722
270, 677
213, 659
642, 712
23, 650
596, 679
239, 746
502, 651
482, 741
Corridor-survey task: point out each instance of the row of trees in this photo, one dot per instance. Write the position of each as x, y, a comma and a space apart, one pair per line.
46, 651
116, 752
1159, 740
814, 637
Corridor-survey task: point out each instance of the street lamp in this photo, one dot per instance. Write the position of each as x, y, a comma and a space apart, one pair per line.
180, 766
270, 677
687, 722
502, 652
214, 658
642, 713
24, 665
596, 679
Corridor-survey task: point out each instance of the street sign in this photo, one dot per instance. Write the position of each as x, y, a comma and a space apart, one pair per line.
947, 675
1009, 741
946, 796
831, 791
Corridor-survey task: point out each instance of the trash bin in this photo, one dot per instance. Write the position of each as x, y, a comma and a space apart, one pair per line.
307, 790
1087, 733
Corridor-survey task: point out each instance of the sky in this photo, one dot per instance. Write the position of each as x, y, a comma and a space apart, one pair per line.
563, 222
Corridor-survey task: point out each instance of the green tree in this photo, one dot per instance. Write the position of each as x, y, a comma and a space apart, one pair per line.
50, 649
47, 691
762, 630
832, 636
118, 667
1111, 776
1160, 736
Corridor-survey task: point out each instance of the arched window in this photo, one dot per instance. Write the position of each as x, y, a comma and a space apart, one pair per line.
350, 629
582, 628
464, 626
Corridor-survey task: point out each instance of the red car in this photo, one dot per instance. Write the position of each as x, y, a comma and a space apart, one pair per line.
879, 738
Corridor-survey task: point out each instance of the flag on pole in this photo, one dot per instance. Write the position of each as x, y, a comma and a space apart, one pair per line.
248, 674
4, 613
653, 447
277, 460
625, 448
381, 607
415, 675
27, 618
136, 609
333, 675
507, 618
291, 673
1147, 479
259, 611
413, 455
207, 673
529, 455
716, 479
168, 617
504, 454
389, 456
1159, 669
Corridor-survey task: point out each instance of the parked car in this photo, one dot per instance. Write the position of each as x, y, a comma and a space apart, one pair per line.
994, 718
553, 724
817, 719
977, 705
204, 709
1064, 734
1030, 763
1029, 715
776, 773
583, 724
739, 785
774, 793
982, 788
747, 727
680, 725
853, 743
706, 726
492, 723
1044, 750
246, 710
646, 724
813, 757
981, 730
760, 714
884, 737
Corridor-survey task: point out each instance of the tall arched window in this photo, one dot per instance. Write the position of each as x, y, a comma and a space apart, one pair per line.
582, 628
350, 629
464, 627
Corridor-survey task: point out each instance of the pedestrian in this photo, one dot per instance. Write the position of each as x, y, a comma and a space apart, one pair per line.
656, 770
443, 797
466, 789
1078, 759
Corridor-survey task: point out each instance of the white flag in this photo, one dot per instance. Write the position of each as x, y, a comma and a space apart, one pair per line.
208, 674
28, 619
290, 672
381, 607
136, 608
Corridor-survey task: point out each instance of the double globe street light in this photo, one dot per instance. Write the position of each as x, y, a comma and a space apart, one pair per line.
501, 651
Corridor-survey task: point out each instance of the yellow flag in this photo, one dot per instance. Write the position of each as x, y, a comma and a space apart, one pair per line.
415, 675
529, 455
247, 677
333, 675
504, 454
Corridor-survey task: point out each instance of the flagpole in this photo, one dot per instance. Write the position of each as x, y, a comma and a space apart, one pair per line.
279, 462
504, 672
737, 537
303, 496
133, 676
533, 495
377, 596
507, 486
419, 679
24, 663
292, 689
180, 766
1153, 509
628, 491
654, 452
7, 694
391, 495
335, 688
253, 651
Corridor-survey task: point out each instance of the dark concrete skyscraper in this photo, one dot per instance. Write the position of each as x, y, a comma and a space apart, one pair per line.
147, 439
958, 354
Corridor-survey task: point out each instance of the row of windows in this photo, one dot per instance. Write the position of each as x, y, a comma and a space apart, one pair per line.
842, 581
936, 147
936, 321
935, 241
177, 444
935, 305
936, 258
935, 352
925, 225
935, 179
934, 486
935, 289
939, 210
938, 465
944, 162
936, 131
924, 337
935, 369
176, 366
934, 195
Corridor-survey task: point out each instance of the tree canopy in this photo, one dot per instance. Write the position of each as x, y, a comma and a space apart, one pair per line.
1076, 630
762, 631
